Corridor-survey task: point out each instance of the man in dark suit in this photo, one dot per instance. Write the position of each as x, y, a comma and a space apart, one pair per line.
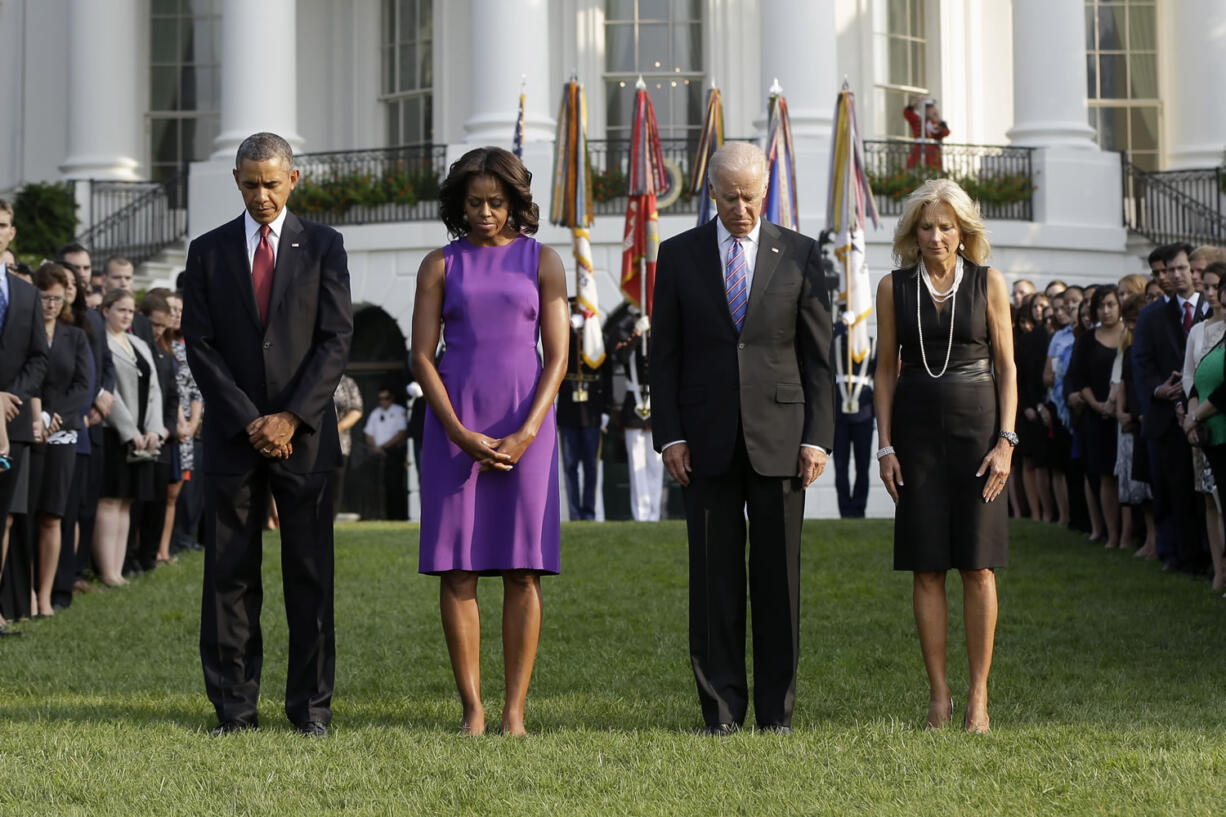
1157, 358
742, 400
268, 323
23, 363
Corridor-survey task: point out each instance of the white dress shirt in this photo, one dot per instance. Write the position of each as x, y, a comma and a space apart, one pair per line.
749, 246
385, 423
252, 228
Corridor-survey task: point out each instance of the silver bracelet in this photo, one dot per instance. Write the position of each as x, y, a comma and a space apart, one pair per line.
885, 452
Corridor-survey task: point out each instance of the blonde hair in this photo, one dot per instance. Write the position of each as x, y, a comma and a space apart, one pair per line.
1208, 253
1133, 284
975, 245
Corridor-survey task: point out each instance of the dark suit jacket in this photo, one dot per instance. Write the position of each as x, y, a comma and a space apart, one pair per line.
23, 354
65, 389
104, 366
1157, 350
774, 378
246, 370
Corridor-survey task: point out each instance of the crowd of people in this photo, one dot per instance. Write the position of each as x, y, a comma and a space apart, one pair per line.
99, 443
1118, 435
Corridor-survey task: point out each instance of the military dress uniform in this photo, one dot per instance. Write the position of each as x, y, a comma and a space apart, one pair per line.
583, 400
645, 465
853, 423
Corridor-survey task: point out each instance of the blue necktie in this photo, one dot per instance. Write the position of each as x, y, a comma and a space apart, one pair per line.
734, 284
4, 300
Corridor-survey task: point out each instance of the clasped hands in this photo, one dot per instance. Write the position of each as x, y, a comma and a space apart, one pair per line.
270, 434
491, 453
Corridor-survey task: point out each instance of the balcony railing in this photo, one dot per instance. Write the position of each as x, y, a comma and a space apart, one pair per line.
1177, 205
136, 220
370, 186
999, 178
611, 161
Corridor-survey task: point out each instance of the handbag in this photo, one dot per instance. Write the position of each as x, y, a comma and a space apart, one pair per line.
138, 455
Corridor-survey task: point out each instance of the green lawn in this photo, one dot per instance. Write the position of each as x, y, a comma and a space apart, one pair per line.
1109, 695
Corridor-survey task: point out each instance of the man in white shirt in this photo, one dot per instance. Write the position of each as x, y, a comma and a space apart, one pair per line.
386, 429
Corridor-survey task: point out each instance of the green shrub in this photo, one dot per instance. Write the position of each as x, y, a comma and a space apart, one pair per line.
45, 215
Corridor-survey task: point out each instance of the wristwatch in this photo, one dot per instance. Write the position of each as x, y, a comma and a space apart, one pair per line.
1009, 437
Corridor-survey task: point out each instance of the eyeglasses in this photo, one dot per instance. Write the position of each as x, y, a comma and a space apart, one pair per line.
52, 300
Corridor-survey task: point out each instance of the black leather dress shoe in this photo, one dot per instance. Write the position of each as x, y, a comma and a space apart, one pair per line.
311, 729
230, 728
722, 730
775, 729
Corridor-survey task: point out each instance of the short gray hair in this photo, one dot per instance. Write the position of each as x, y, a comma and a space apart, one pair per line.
259, 147
735, 156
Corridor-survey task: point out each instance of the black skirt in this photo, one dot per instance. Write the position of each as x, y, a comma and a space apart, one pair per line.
59, 463
941, 430
120, 478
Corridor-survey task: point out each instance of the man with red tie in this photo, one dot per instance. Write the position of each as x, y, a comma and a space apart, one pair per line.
268, 322
1157, 359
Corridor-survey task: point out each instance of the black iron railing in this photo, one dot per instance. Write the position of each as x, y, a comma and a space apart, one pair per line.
1000, 178
1177, 205
136, 220
611, 160
370, 186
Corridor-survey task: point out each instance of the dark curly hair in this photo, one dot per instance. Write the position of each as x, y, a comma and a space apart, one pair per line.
510, 172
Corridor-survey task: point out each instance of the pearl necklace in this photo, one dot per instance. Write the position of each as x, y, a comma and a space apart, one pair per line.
938, 298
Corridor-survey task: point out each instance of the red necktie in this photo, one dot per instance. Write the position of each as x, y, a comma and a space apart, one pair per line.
261, 273
1187, 317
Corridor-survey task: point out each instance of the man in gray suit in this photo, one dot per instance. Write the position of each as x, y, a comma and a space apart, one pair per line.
743, 414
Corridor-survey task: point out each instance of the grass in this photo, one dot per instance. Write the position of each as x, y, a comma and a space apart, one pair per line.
1107, 695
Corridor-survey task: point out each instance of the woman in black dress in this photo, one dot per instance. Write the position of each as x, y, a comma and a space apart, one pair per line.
1034, 445
1089, 373
65, 393
945, 424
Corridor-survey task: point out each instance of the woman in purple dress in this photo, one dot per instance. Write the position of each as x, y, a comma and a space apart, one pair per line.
490, 455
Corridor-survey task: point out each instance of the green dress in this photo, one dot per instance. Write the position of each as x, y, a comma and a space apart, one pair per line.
1209, 375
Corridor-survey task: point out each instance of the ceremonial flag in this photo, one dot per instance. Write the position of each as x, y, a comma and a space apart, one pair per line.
712, 139
780, 205
849, 206
572, 207
641, 239
517, 143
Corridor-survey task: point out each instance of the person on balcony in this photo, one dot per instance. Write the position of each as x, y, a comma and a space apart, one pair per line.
928, 129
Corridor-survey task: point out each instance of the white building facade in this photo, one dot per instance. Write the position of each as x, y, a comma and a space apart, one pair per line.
132, 90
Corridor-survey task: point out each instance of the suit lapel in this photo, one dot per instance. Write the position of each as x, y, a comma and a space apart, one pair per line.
769, 254
290, 256
234, 258
711, 284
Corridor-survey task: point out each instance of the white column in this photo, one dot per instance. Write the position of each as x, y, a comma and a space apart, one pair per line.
259, 73
1049, 70
494, 94
1196, 113
104, 80
797, 43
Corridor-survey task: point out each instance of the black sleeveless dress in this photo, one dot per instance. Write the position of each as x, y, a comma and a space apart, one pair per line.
942, 428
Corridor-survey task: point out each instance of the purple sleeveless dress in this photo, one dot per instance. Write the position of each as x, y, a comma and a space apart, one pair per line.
490, 521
